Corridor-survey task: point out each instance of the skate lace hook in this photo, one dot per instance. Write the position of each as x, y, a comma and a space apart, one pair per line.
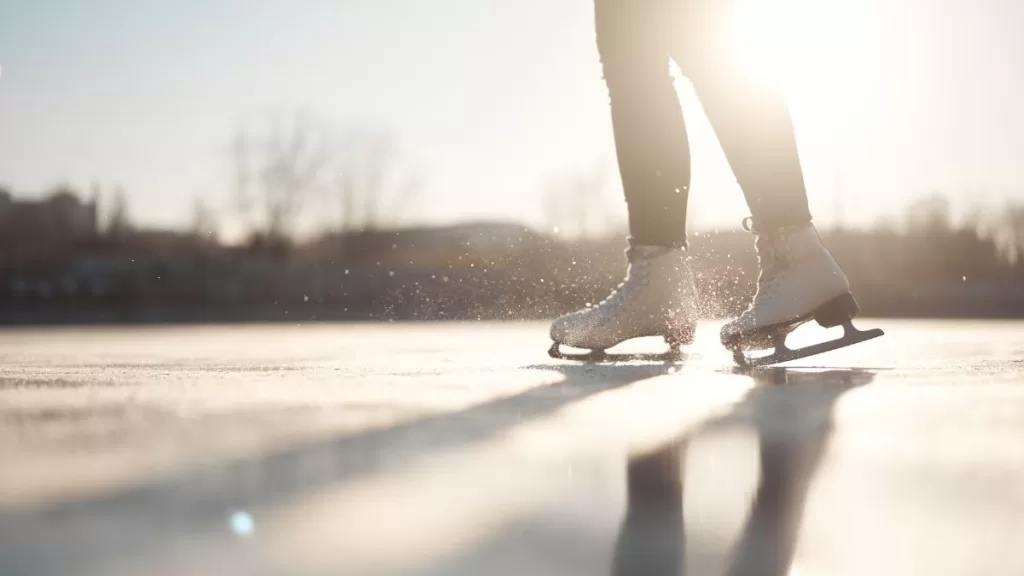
638, 270
769, 258
748, 225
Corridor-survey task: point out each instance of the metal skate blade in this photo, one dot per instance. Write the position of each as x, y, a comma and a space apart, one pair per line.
851, 335
602, 357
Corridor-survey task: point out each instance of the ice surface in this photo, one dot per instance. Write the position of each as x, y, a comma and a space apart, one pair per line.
461, 448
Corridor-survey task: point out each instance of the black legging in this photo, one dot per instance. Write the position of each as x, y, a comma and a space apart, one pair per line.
636, 39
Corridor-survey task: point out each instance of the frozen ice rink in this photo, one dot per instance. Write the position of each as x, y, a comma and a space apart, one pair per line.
461, 448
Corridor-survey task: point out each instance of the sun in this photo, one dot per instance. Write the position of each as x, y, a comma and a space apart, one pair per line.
799, 44
822, 56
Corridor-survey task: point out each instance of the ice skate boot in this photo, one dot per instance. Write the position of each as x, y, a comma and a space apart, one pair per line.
657, 298
799, 280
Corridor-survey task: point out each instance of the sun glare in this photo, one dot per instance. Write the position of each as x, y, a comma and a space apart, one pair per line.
821, 55
797, 44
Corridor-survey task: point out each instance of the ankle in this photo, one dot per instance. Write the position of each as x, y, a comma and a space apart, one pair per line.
649, 242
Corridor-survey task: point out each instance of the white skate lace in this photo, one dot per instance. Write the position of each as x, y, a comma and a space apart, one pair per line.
638, 268
770, 258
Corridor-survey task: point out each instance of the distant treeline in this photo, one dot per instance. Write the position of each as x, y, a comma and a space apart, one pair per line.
473, 271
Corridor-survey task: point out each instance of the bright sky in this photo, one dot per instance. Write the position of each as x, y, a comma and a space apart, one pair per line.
892, 98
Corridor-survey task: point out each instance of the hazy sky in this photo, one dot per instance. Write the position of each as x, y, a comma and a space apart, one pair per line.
892, 98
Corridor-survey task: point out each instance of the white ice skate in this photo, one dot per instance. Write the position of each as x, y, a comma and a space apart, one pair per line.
657, 298
799, 280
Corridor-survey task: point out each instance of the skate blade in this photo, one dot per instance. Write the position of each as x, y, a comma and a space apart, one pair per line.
602, 357
851, 335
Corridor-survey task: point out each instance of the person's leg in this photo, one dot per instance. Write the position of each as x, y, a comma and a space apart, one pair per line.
658, 295
799, 279
650, 136
750, 118
652, 537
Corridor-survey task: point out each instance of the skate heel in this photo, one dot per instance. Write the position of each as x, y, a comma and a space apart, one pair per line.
837, 311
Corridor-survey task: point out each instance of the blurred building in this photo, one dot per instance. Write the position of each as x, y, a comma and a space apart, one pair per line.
60, 215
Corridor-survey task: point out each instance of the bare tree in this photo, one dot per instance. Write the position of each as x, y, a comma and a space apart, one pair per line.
929, 215
204, 223
119, 220
373, 180
242, 168
1006, 229
275, 172
577, 205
